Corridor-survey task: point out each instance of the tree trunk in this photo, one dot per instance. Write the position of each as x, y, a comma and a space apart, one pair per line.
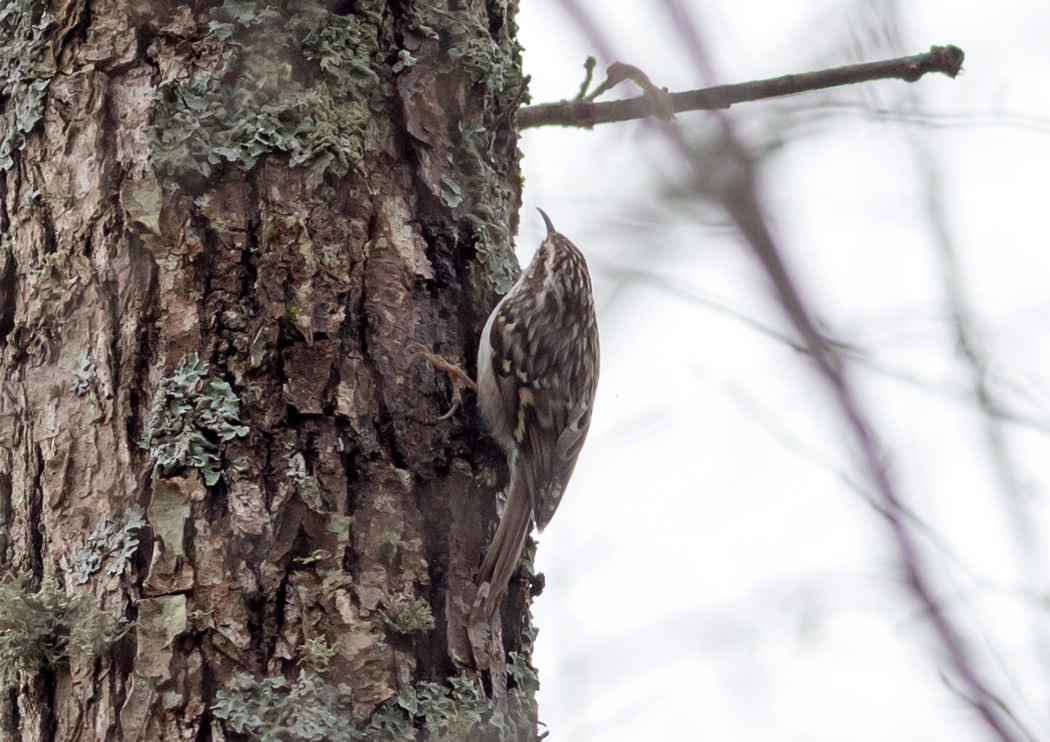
227, 508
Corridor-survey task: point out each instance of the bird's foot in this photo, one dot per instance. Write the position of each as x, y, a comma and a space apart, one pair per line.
460, 379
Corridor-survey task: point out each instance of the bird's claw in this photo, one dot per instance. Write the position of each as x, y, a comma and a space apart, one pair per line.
460, 379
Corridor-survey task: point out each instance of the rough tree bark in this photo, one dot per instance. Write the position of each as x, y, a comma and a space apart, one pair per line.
227, 510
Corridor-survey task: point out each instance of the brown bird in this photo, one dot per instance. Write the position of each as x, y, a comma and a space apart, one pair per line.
537, 376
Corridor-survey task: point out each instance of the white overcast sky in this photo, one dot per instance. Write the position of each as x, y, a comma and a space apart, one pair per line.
710, 575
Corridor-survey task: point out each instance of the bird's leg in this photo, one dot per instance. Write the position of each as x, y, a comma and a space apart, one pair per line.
460, 379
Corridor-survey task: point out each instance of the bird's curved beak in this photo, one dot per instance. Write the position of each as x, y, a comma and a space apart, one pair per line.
547, 220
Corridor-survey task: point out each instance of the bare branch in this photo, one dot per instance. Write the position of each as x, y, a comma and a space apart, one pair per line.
586, 114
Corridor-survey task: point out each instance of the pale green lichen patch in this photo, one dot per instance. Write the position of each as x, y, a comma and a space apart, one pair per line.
111, 541
405, 614
84, 376
41, 628
310, 709
276, 710
30, 622
291, 78
453, 711
318, 653
493, 59
191, 416
24, 75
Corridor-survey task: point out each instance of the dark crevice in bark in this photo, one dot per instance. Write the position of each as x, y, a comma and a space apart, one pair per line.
328, 393
351, 462
47, 226
9, 716
307, 435
45, 685
209, 686
342, 7
433, 646
113, 172
6, 514
463, 258
265, 609
441, 250
12, 183
288, 335
8, 297
109, 290
385, 432
253, 227
279, 603
5, 218
204, 730
35, 526
133, 408
265, 624
108, 286
145, 33
76, 32
265, 445
123, 656
485, 676
203, 270
88, 244
494, 9
213, 302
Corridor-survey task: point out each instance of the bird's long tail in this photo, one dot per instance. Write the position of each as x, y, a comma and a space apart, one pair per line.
504, 552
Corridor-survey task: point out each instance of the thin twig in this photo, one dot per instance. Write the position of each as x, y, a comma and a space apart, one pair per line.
857, 355
1026, 542
588, 67
583, 113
